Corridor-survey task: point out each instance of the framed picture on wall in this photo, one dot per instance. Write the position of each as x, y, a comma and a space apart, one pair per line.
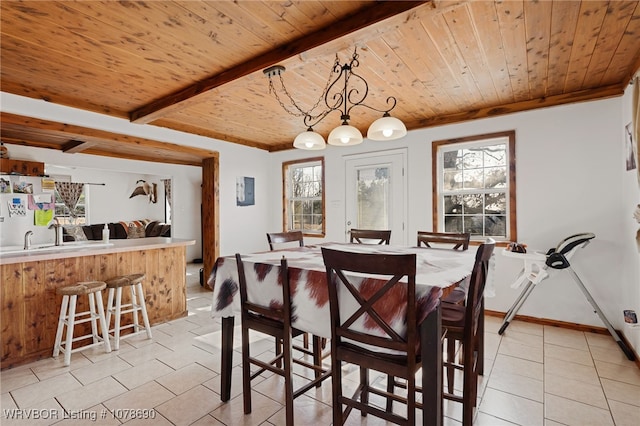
245, 191
630, 147
5, 186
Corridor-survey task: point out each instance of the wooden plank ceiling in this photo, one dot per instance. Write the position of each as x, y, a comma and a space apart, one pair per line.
196, 66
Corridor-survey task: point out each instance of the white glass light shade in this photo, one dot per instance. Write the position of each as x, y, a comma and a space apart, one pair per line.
386, 128
309, 140
345, 135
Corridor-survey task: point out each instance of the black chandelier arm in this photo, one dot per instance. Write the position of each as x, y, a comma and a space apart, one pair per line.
391, 100
312, 120
353, 95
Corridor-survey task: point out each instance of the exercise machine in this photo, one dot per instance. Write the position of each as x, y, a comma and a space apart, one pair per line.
538, 265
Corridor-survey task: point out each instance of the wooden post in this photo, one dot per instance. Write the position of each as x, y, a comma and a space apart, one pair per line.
210, 214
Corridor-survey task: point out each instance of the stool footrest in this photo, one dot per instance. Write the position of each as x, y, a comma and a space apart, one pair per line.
83, 320
128, 309
63, 348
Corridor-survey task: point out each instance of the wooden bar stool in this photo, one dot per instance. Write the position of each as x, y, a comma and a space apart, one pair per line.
69, 317
117, 309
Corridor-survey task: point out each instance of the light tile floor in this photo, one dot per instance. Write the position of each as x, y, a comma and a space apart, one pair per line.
535, 375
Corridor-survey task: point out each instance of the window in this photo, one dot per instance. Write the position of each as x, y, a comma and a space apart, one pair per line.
474, 182
63, 214
303, 186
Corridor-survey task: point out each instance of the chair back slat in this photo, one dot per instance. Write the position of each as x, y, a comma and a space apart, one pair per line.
371, 341
367, 305
374, 283
457, 240
284, 237
370, 236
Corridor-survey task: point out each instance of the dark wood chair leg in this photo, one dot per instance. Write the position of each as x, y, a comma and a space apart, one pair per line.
288, 379
431, 348
481, 339
227, 358
451, 358
390, 387
336, 393
411, 400
278, 352
317, 357
364, 383
470, 387
246, 372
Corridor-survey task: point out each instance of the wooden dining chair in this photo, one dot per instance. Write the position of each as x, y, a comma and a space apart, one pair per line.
463, 325
455, 241
272, 317
458, 241
284, 237
355, 301
288, 237
369, 236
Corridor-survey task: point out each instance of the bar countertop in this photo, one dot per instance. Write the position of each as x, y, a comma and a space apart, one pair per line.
90, 248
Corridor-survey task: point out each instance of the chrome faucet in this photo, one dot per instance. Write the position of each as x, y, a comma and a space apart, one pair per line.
27, 240
56, 226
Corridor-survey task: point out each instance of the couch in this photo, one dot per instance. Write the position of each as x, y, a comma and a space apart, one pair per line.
117, 230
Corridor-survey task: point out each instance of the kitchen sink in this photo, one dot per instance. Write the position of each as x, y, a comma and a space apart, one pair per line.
50, 247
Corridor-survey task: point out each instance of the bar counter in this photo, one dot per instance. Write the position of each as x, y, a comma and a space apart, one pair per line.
30, 306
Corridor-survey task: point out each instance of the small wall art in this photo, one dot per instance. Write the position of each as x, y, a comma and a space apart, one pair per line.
5, 186
16, 207
630, 147
245, 191
22, 187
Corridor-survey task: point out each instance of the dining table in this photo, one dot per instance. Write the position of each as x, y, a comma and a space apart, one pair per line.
438, 271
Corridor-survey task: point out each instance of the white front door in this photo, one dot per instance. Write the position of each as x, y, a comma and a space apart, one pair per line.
376, 193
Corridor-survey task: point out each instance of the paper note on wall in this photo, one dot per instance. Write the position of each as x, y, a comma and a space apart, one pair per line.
42, 217
41, 202
48, 184
16, 207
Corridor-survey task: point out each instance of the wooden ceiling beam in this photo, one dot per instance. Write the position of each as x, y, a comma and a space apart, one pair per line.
74, 146
26, 141
605, 92
188, 96
28, 131
153, 159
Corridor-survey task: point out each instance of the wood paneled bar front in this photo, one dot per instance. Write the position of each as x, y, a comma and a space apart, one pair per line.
30, 306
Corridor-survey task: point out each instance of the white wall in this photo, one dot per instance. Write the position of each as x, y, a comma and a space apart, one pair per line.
630, 273
570, 165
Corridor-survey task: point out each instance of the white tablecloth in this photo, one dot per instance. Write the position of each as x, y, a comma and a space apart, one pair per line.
436, 269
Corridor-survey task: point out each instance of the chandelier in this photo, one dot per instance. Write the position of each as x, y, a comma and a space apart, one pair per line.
342, 93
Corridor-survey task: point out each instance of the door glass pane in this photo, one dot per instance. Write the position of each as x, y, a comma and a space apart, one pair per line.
373, 192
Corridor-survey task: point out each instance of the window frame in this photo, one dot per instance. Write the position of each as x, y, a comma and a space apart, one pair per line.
286, 184
436, 170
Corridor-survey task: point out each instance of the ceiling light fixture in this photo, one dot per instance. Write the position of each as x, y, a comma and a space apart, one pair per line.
338, 95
